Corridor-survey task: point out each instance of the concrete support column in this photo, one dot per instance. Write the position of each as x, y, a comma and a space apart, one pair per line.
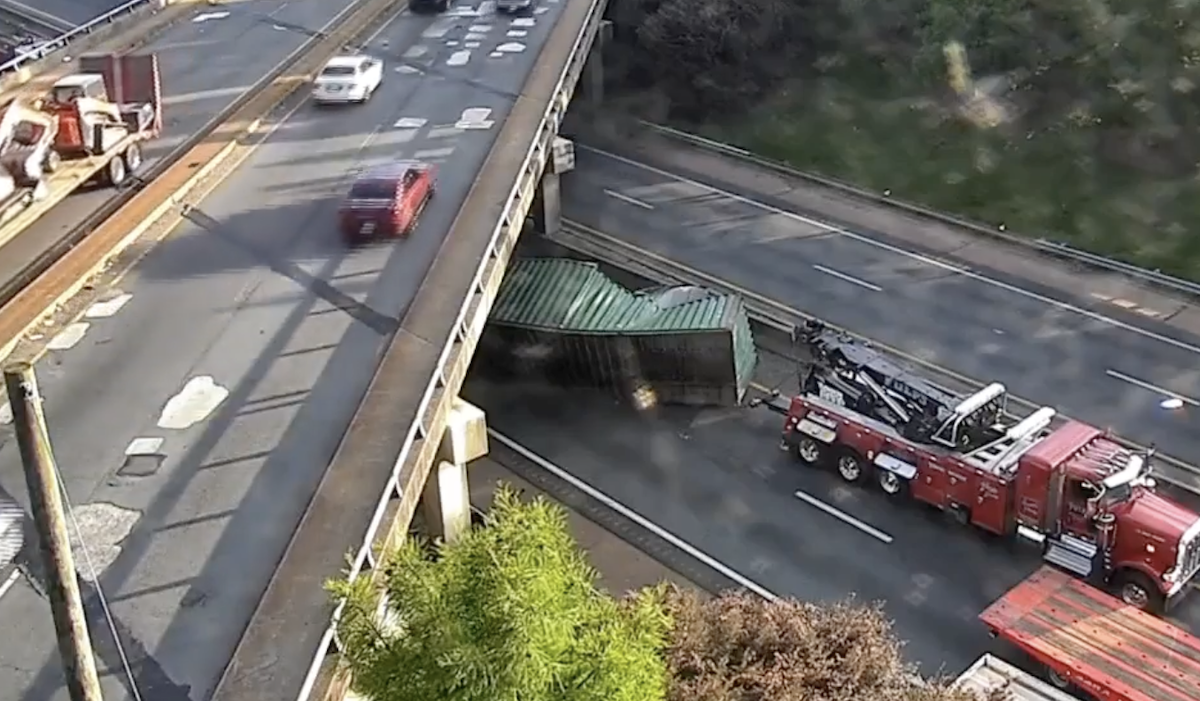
445, 501
547, 206
593, 81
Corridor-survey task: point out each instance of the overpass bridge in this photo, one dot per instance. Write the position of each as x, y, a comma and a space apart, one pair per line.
247, 311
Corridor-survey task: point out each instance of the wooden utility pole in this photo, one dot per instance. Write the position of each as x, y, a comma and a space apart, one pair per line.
41, 477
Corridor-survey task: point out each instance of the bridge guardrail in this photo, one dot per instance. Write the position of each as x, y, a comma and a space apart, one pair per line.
459, 345
61, 41
1043, 246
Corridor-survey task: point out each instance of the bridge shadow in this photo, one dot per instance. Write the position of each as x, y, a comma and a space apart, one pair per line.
222, 514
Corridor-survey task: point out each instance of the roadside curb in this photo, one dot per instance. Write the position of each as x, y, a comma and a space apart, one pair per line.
153, 212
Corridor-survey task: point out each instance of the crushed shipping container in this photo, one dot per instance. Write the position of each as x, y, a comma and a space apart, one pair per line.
571, 323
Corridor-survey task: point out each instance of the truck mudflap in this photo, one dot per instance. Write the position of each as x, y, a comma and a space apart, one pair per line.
1094, 641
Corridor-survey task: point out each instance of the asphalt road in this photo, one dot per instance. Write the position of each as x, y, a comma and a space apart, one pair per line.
1110, 371
75, 12
274, 328
716, 480
202, 74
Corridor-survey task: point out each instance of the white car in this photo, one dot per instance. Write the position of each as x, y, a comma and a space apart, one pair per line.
348, 79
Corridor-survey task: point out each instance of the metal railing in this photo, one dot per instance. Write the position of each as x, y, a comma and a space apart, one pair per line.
473, 313
48, 47
1043, 246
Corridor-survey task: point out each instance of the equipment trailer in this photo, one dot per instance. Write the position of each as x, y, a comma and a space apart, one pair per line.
1085, 640
1086, 500
89, 128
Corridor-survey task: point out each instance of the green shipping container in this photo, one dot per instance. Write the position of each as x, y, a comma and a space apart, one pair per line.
570, 322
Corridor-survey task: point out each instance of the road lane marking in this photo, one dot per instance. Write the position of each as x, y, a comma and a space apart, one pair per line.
844, 517
1151, 387
108, 308
69, 337
632, 515
199, 397
8, 583
912, 255
628, 200
848, 278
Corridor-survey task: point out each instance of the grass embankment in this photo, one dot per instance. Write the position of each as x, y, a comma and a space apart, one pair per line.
1050, 184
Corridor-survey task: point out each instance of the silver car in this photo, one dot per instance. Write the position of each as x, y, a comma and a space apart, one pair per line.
514, 6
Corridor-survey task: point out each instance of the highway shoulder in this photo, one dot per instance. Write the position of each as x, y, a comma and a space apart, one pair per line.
623, 566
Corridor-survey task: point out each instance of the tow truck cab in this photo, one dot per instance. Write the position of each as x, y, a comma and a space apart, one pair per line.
1085, 499
1094, 504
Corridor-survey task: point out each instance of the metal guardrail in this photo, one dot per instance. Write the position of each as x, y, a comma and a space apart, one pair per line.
1041, 245
777, 316
473, 313
60, 42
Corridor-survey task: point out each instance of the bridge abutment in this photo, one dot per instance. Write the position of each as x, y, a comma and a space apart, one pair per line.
445, 500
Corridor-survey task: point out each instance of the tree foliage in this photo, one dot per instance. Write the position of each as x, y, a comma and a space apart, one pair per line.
739, 647
509, 613
1090, 133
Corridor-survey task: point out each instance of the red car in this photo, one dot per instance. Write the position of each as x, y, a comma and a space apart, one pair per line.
386, 201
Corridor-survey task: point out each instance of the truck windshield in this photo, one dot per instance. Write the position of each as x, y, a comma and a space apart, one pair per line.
1116, 495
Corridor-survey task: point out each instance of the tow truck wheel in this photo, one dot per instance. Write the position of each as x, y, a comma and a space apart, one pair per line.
891, 483
809, 451
850, 467
52, 162
1136, 589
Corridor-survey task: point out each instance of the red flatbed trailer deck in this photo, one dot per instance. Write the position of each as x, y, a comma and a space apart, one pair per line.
1108, 649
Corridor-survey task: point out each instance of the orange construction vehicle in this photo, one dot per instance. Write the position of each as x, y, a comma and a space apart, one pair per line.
89, 128
1086, 500
1087, 641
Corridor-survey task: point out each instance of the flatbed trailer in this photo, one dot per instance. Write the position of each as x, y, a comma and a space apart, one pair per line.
1090, 641
135, 77
991, 674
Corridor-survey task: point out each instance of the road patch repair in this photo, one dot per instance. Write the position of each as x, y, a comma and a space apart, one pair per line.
79, 279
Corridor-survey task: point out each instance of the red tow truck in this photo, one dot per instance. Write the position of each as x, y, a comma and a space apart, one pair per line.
1088, 501
1087, 641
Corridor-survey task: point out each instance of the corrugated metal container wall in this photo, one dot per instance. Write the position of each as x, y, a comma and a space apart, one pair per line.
569, 323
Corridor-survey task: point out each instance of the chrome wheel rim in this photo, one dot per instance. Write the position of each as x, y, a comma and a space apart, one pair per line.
1135, 595
809, 452
889, 482
848, 468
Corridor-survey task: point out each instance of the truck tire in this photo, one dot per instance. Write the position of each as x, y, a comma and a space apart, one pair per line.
1136, 589
132, 158
1057, 680
808, 451
115, 173
891, 484
851, 467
